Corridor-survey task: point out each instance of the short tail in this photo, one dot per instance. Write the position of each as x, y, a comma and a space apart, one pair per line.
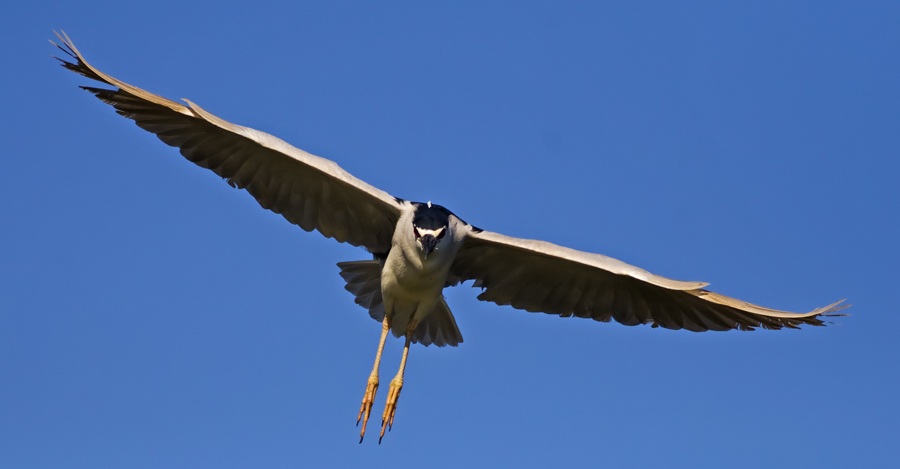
364, 282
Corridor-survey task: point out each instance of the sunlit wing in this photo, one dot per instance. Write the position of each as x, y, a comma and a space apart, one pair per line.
538, 276
309, 191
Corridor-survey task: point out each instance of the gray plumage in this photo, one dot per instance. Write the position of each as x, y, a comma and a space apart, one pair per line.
316, 194
419, 249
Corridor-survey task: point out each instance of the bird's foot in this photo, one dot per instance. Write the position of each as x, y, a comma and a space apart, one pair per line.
366, 408
390, 407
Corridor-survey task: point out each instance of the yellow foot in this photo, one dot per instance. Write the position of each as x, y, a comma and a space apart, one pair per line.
366, 408
390, 407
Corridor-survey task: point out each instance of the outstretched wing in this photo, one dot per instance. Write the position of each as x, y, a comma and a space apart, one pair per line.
309, 191
538, 276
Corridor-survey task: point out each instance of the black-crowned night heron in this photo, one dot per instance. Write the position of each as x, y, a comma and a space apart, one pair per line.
421, 248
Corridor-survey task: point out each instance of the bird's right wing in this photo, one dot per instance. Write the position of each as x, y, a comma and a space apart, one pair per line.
538, 276
309, 191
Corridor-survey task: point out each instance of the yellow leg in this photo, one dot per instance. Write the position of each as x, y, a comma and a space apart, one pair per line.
372, 385
390, 407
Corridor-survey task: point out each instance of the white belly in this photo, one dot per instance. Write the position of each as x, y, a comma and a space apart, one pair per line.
410, 288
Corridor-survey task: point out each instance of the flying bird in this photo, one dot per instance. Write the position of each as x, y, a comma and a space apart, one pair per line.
418, 248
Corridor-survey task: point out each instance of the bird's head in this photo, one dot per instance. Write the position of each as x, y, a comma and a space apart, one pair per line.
431, 224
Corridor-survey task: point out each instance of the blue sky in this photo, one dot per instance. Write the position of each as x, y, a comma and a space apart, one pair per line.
151, 316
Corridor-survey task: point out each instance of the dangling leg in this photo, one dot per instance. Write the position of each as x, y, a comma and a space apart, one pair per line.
387, 419
372, 386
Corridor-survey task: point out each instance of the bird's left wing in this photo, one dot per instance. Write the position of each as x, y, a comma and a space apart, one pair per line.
538, 276
309, 191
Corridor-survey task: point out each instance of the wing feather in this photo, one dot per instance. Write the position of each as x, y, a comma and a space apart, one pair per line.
540, 276
306, 190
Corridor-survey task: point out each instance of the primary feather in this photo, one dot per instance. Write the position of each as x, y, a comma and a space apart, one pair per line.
317, 194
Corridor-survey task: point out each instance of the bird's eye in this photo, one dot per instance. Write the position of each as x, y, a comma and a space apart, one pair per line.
416, 231
441, 234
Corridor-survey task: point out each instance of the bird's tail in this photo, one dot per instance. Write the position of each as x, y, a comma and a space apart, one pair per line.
364, 282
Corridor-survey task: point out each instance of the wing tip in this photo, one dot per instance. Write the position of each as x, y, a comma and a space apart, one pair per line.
81, 66
832, 309
66, 45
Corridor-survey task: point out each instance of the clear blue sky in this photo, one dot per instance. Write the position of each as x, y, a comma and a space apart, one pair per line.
151, 316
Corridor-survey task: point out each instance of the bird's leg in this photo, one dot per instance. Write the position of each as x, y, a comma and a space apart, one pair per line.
372, 386
390, 407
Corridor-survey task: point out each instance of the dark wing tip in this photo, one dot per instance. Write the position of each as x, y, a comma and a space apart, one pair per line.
66, 46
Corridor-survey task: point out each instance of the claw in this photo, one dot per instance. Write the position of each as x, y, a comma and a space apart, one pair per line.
390, 407
366, 408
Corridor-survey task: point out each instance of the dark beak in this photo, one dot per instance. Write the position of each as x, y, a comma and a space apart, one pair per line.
428, 244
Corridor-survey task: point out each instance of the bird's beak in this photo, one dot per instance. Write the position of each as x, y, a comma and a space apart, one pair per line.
429, 242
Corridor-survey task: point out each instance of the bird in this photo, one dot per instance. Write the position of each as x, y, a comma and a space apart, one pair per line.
418, 249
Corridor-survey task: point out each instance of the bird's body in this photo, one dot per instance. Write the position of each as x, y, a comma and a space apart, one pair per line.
411, 280
421, 248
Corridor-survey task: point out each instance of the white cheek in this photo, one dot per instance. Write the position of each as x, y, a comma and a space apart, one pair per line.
435, 233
